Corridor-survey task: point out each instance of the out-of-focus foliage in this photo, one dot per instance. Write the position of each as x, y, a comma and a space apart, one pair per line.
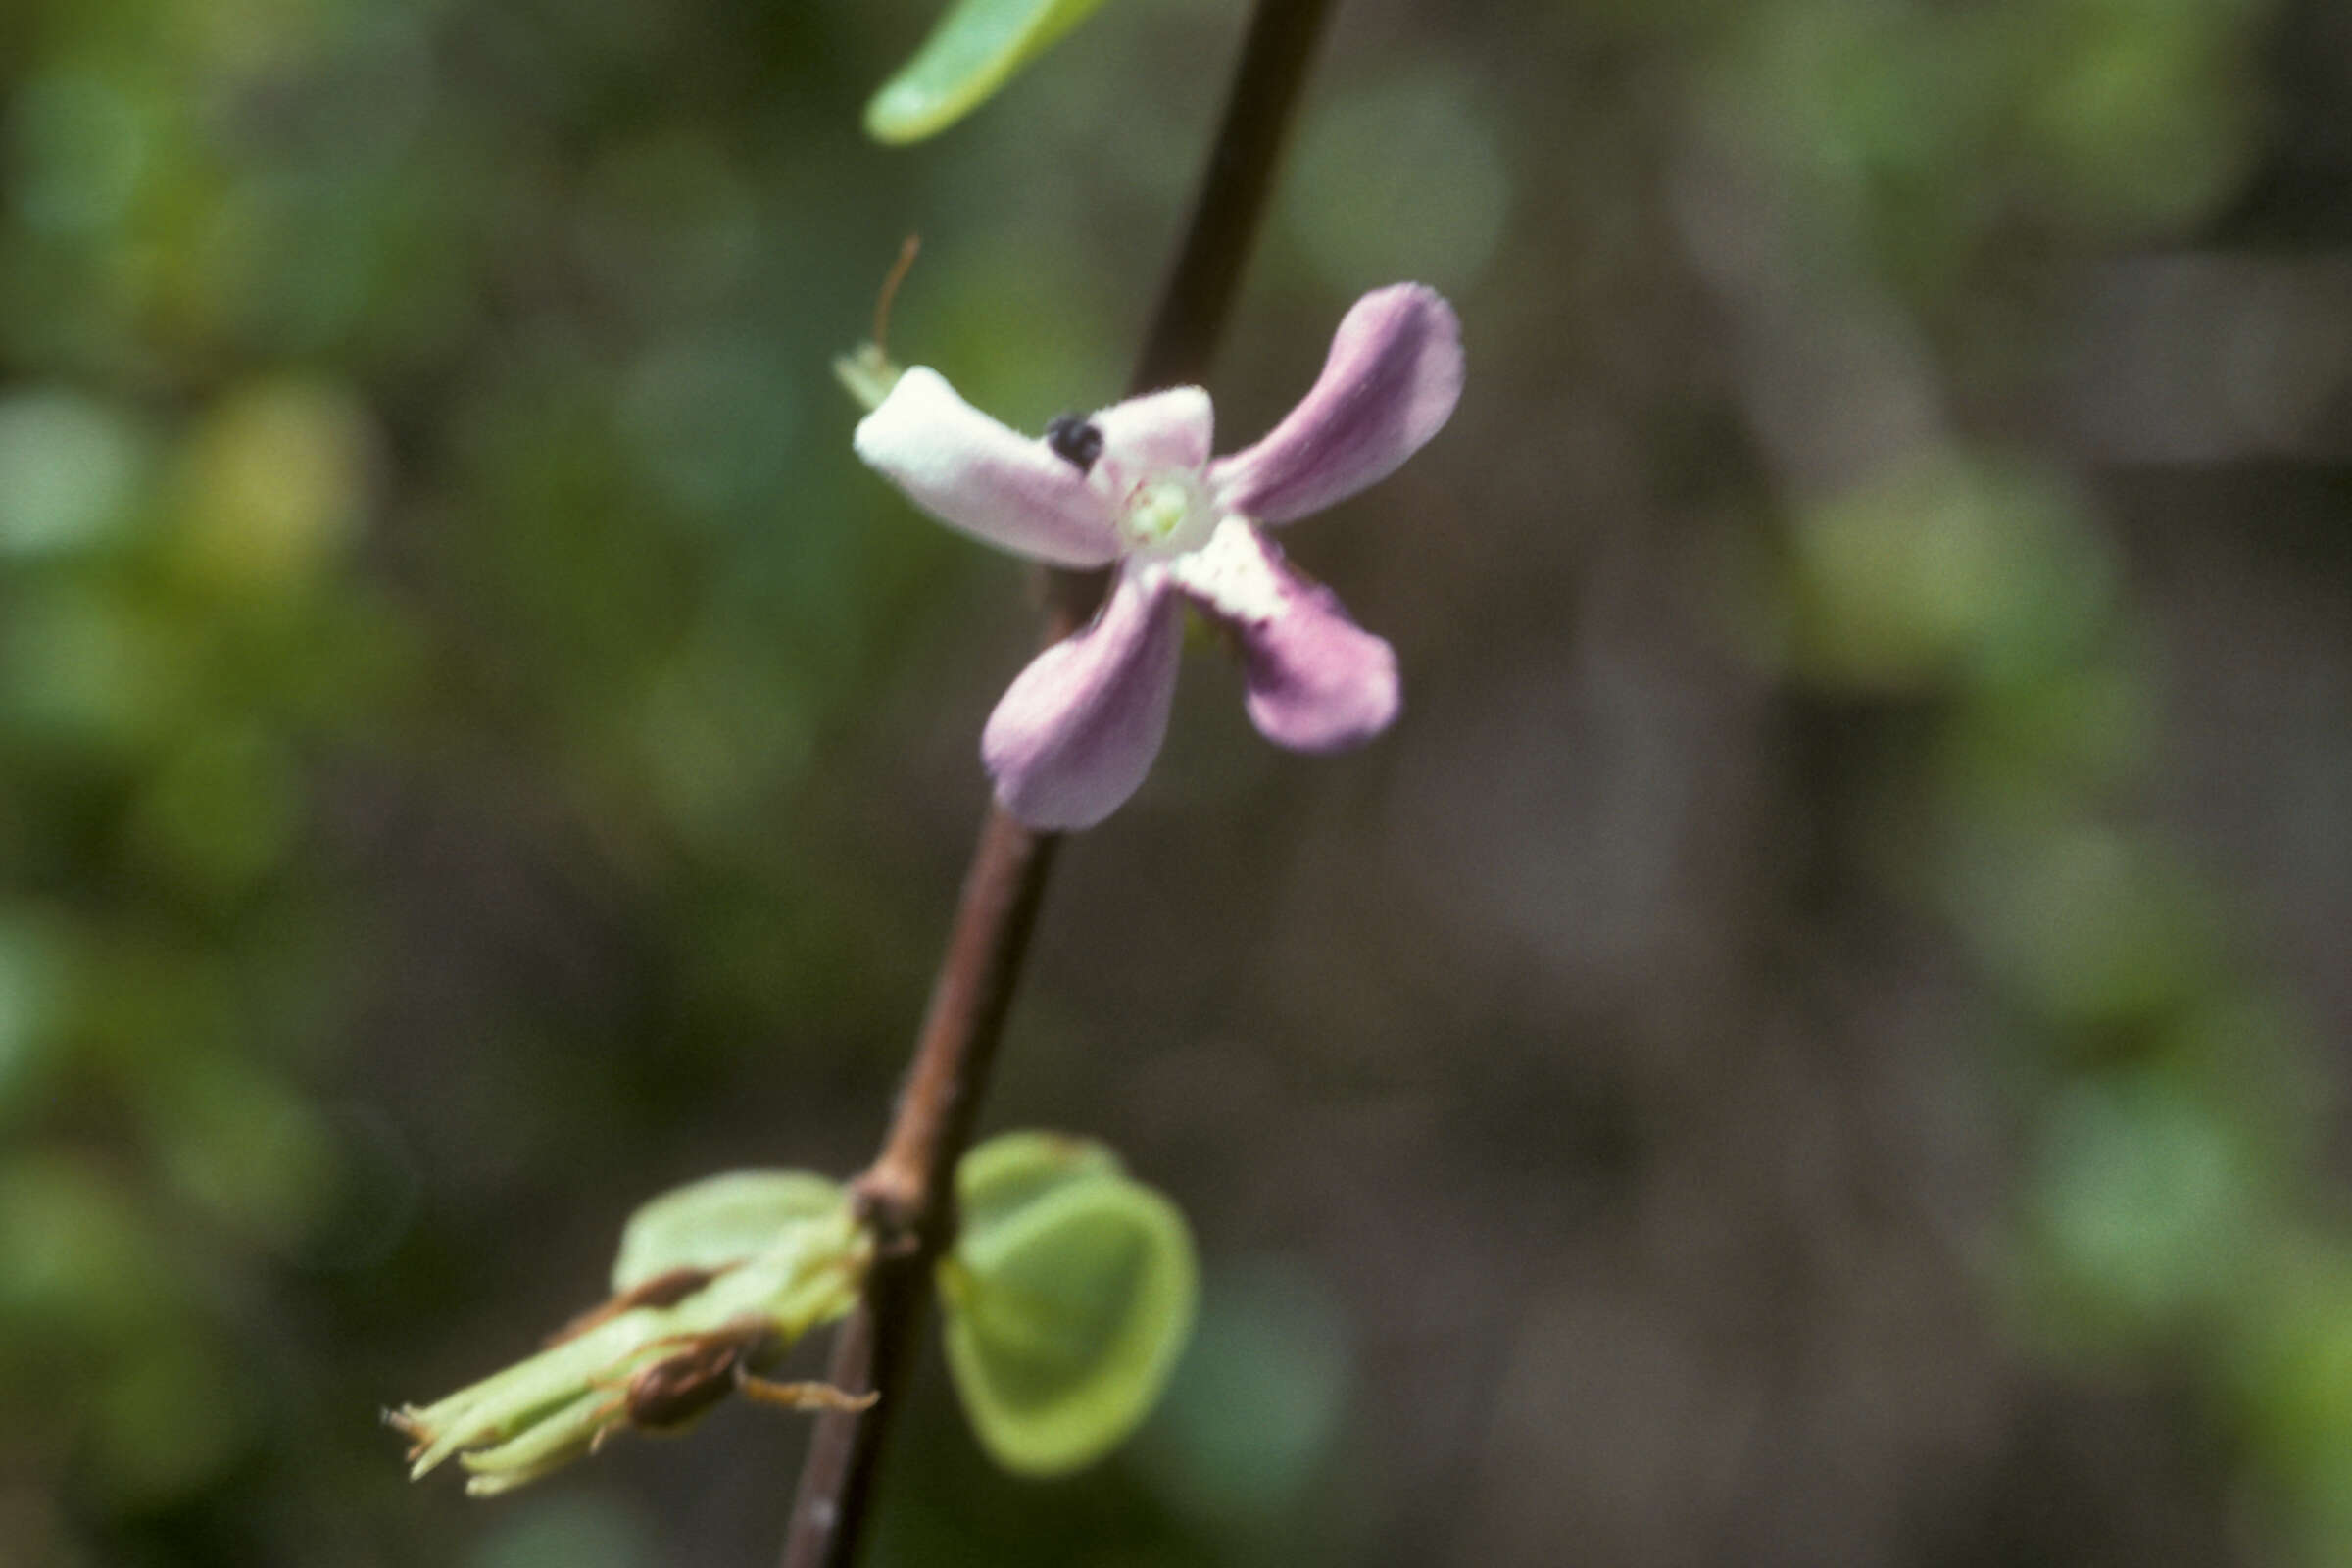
401, 407
974, 50
2165, 1206
1818, 1037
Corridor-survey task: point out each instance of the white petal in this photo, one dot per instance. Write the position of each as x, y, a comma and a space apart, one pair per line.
1158, 434
972, 473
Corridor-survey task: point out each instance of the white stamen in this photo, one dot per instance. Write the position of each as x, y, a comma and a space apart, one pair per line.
1231, 572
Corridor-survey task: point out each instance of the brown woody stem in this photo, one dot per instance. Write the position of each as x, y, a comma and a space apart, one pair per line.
909, 1192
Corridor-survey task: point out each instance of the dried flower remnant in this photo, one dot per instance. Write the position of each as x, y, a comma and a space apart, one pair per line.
673, 1393
1134, 487
660, 1353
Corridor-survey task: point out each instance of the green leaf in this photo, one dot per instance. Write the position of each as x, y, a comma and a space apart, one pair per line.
974, 50
719, 1220
1006, 1174
1068, 1300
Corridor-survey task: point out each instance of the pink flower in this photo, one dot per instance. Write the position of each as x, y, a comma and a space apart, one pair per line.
1135, 486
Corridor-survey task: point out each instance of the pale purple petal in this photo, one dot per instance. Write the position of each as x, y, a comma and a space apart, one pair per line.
1077, 731
972, 473
1390, 384
1317, 682
1152, 434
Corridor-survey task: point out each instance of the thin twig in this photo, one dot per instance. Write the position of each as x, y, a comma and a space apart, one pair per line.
908, 1191
912, 244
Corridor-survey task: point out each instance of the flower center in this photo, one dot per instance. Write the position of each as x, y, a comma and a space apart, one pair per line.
1167, 516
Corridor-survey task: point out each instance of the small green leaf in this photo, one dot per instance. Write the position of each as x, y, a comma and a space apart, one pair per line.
1007, 1173
1068, 1300
974, 50
719, 1220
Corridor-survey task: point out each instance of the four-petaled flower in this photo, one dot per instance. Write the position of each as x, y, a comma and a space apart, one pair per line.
1134, 485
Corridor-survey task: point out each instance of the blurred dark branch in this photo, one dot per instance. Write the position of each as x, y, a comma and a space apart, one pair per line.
1198, 295
909, 1192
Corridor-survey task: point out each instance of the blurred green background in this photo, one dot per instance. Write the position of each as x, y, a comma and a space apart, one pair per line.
1818, 1040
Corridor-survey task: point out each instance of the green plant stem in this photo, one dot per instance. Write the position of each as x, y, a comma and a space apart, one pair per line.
909, 1192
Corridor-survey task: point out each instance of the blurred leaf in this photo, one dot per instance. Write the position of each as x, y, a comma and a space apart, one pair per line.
275, 480
568, 1531
2086, 924
2142, 110
34, 979
84, 141
2292, 1378
719, 1220
223, 809
719, 729
69, 469
2148, 1205
2039, 746
1403, 179
98, 1341
1249, 1419
1947, 567
2295, 1365
1069, 1295
169, 1416
973, 51
247, 1145
89, 668
79, 1263
711, 424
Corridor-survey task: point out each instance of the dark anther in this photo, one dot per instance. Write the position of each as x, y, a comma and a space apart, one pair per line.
1074, 440
668, 1393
